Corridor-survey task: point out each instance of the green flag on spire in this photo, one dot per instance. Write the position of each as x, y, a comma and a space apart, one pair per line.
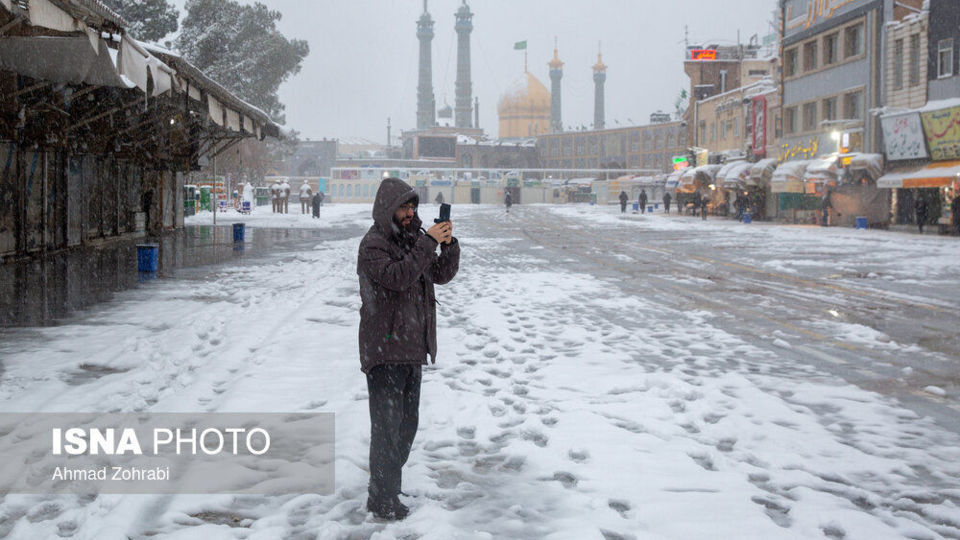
520, 45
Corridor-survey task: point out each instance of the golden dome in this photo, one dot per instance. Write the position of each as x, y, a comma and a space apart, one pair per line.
524, 109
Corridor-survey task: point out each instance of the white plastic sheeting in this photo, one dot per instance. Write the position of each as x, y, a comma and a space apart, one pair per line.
788, 178
762, 171
233, 120
872, 163
215, 110
44, 13
67, 60
822, 170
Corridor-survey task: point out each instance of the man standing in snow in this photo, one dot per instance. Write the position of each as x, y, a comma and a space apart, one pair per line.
398, 266
666, 201
305, 194
643, 201
285, 197
623, 201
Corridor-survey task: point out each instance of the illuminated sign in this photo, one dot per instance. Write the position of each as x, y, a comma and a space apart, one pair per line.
680, 162
703, 54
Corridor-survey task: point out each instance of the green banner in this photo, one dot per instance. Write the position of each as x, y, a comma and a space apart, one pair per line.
520, 45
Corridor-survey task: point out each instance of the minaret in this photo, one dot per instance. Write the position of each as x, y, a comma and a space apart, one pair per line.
599, 76
426, 106
463, 87
556, 73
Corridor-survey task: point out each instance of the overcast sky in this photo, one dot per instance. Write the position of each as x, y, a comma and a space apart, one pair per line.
362, 66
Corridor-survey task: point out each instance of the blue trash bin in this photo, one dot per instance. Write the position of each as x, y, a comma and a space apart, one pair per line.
747, 217
147, 257
650, 209
636, 207
238, 232
861, 222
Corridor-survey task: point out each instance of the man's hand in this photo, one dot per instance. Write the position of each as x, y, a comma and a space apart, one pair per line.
442, 232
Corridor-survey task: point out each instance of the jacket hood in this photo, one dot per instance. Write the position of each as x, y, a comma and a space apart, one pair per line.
392, 193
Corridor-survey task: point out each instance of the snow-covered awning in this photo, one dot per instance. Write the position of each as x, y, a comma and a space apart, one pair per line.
872, 163
762, 171
788, 178
736, 176
706, 174
722, 173
688, 183
137, 65
673, 179
933, 175
61, 59
822, 170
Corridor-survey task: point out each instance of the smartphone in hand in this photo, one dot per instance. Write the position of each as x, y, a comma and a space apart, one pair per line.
444, 213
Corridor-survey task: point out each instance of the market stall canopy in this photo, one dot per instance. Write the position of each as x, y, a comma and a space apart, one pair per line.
731, 174
871, 163
63, 60
739, 175
822, 170
762, 171
673, 179
687, 182
934, 175
707, 174
788, 178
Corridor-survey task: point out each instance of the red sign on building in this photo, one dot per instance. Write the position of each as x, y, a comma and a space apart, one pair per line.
703, 54
759, 119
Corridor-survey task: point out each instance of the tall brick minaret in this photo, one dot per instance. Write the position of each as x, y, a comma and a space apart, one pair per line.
599, 77
556, 73
426, 105
464, 88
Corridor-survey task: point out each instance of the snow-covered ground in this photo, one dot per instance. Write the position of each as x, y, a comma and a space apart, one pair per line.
562, 406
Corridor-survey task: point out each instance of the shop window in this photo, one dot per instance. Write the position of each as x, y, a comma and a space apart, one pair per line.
831, 45
790, 62
898, 64
349, 190
853, 40
342, 189
945, 58
914, 59
853, 105
810, 116
810, 56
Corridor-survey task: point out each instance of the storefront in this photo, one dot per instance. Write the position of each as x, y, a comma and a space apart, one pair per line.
761, 174
732, 187
937, 182
786, 185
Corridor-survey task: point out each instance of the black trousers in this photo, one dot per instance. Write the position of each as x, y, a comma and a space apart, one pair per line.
394, 392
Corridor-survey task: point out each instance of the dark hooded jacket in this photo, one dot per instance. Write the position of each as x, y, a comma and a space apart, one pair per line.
397, 270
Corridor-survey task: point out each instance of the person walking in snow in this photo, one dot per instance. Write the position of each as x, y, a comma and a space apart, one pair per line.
285, 196
305, 195
679, 205
398, 266
920, 207
643, 201
704, 201
666, 202
439, 198
275, 195
508, 201
955, 214
315, 202
623, 201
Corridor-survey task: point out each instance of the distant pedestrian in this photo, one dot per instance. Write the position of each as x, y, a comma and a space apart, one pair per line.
623, 201
704, 201
679, 206
285, 196
306, 194
643, 201
825, 206
315, 203
275, 195
955, 214
508, 201
439, 198
741, 205
666, 202
921, 209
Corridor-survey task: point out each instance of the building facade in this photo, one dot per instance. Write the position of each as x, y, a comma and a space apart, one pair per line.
831, 77
641, 147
